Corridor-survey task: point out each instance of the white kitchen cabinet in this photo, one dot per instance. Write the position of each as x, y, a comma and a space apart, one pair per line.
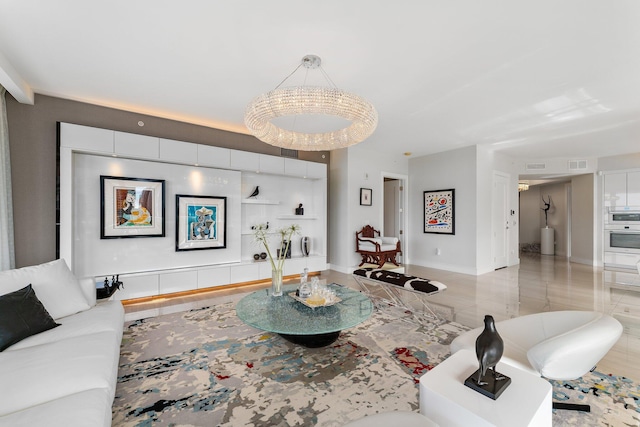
137, 146
216, 157
621, 189
271, 164
178, 151
633, 189
615, 190
245, 161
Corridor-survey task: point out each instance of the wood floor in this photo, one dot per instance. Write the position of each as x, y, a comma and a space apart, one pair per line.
540, 283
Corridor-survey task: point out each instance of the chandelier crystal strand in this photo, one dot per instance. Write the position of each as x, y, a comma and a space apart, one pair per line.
293, 101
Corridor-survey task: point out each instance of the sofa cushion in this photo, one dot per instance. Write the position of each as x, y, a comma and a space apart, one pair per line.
56, 286
87, 408
106, 316
42, 373
368, 246
22, 315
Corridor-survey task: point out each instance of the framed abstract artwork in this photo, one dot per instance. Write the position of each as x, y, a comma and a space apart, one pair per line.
365, 196
131, 207
439, 212
201, 222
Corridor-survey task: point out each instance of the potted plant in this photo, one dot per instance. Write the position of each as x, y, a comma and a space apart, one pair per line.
261, 236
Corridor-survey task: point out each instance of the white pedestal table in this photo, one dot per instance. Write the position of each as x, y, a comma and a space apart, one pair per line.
447, 401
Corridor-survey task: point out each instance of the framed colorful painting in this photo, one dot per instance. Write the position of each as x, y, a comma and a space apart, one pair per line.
201, 222
131, 207
439, 212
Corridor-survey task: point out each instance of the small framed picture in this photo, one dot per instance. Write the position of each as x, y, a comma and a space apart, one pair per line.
439, 212
365, 196
131, 207
201, 222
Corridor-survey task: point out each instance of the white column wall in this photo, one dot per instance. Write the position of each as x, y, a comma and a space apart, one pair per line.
451, 169
582, 219
351, 169
530, 203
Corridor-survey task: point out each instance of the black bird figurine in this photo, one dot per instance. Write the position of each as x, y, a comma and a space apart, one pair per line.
489, 349
255, 192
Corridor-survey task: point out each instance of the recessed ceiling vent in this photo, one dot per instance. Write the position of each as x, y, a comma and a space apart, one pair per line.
286, 152
575, 165
535, 166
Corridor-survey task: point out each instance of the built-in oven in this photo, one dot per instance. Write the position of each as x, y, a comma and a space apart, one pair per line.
623, 216
622, 239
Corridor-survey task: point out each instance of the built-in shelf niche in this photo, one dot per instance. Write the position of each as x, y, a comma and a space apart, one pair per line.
284, 183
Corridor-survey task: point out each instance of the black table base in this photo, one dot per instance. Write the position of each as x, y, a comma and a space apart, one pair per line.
313, 341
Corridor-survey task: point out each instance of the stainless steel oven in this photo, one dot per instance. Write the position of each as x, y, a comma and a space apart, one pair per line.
622, 239
625, 216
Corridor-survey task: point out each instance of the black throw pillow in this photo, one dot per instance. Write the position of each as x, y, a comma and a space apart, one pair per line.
22, 315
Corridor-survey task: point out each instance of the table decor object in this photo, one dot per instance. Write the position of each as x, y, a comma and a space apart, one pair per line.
489, 348
323, 302
262, 237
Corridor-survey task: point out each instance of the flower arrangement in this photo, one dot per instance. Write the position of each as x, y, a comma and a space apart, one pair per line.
261, 236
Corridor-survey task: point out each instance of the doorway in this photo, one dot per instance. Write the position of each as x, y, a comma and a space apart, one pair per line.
500, 220
394, 210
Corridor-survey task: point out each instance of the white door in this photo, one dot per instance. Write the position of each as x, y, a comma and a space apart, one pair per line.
500, 220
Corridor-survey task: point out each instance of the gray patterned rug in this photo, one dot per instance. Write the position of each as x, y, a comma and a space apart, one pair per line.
206, 368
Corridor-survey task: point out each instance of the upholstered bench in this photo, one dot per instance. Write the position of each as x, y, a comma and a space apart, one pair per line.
389, 288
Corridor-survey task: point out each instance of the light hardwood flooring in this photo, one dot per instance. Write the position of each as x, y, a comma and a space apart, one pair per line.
540, 283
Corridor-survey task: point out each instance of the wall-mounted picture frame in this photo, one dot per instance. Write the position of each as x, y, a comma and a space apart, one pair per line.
439, 212
201, 222
365, 196
131, 207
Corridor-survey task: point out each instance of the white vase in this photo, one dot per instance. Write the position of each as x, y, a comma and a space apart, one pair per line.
305, 246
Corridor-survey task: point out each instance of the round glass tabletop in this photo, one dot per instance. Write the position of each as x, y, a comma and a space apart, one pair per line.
285, 315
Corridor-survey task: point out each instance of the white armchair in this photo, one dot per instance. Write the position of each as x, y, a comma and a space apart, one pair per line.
558, 345
376, 249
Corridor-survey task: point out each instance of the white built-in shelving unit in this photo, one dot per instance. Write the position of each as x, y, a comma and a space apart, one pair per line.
151, 266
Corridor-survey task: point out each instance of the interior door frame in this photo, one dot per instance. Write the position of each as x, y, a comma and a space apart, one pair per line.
404, 183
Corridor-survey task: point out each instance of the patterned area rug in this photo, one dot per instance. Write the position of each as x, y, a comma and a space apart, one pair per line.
206, 368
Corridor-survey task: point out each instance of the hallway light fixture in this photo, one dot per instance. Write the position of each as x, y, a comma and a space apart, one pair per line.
523, 186
310, 100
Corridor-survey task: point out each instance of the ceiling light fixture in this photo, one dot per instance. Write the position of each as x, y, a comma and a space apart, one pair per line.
312, 100
523, 186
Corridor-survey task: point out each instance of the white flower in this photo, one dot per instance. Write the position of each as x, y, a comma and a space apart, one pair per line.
261, 236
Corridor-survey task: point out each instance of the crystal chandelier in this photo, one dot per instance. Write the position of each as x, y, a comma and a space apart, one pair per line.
299, 100
523, 186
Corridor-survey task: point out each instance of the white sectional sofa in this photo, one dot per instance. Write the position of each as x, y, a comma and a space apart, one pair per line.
64, 376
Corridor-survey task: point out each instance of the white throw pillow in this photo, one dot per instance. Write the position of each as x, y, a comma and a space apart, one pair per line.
54, 284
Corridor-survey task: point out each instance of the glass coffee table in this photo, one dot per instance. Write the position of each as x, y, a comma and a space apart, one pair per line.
307, 326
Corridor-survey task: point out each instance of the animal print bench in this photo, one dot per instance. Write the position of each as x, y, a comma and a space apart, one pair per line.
389, 288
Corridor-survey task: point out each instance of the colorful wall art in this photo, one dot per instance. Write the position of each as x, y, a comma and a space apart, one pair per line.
439, 212
131, 207
200, 222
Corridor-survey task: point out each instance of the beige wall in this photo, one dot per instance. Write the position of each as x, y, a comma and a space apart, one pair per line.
33, 145
558, 214
582, 219
530, 203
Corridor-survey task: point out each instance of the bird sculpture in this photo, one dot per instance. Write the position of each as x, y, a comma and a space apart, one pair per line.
489, 349
255, 192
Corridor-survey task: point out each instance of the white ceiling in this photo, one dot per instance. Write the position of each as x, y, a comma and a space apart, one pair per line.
534, 79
